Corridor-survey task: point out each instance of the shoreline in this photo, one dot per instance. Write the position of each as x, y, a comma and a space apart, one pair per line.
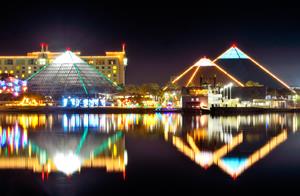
217, 111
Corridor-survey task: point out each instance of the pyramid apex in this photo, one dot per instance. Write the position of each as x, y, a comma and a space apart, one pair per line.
233, 53
204, 62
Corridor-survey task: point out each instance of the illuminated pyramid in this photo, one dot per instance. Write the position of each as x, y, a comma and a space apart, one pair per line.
245, 69
68, 75
206, 72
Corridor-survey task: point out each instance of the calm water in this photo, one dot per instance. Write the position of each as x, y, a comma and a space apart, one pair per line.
92, 154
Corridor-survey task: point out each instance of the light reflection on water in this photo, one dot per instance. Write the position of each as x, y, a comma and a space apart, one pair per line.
67, 143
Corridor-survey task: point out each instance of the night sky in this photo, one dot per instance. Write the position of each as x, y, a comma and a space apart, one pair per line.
162, 38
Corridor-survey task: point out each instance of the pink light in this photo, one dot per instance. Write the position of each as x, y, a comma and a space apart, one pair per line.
68, 49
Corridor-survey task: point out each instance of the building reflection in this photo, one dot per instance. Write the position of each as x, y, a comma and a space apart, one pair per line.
47, 152
233, 143
67, 143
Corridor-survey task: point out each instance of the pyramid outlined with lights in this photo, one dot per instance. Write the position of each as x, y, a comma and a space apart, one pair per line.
245, 69
68, 75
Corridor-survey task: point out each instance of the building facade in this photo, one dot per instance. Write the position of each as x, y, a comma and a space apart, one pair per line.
112, 64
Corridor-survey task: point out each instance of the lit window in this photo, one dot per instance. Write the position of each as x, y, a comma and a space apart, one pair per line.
16, 76
29, 71
114, 71
29, 67
197, 99
192, 99
23, 76
5, 71
11, 71
108, 75
41, 61
0, 71
114, 67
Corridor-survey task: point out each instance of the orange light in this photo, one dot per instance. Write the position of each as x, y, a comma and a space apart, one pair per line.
261, 67
271, 74
230, 76
192, 77
180, 76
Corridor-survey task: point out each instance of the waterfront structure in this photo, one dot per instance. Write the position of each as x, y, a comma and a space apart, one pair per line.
112, 64
236, 65
70, 76
206, 73
246, 69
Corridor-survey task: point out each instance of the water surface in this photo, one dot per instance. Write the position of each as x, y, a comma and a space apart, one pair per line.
91, 154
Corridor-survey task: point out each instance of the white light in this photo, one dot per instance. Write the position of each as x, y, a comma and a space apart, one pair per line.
125, 61
67, 163
204, 158
125, 157
68, 57
204, 62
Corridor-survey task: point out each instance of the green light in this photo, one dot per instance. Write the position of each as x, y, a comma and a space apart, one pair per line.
82, 140
42, 68
80, 78
105, 144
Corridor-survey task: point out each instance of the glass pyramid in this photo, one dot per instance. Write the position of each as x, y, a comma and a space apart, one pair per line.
233, 53
69, 75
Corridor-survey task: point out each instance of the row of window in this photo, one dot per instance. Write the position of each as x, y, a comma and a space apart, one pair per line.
12, 71
17, 61
101, 61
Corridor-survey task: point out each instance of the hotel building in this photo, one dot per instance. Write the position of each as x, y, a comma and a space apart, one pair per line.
112, 64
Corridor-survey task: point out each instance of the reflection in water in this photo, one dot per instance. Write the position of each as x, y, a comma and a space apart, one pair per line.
69, 142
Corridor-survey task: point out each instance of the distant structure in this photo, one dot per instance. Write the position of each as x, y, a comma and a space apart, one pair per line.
246, 69
112, 64
206, 73
233, 65
70, 76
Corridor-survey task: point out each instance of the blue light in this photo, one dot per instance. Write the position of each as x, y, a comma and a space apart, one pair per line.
65, 102
233, 53
85, 102
16, 81
17, 88
3, 138
234, 163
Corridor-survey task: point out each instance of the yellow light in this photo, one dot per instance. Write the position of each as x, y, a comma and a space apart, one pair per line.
191, 79
29, 71
114, 71
114, 67
0, 71
23, 76
11, 71
109, 75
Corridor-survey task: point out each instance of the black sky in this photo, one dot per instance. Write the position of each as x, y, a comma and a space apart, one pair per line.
162, 38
